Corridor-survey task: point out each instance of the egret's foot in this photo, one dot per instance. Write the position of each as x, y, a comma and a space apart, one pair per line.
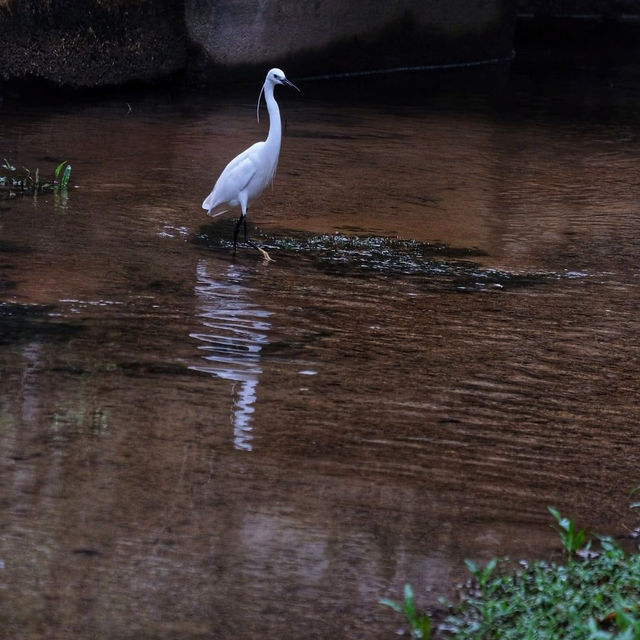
265, 255
253, 245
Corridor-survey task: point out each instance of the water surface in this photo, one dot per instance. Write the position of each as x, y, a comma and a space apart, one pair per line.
197, 445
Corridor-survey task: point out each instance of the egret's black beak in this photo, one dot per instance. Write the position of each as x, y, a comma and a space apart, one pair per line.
290, 84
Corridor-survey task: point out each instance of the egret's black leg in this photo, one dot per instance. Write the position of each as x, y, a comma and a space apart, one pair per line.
265, 255
236, 229
246, 233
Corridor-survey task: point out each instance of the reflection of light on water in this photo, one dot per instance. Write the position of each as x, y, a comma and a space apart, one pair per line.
235, 332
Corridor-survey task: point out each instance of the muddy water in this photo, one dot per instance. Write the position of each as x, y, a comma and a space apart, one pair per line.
200, 446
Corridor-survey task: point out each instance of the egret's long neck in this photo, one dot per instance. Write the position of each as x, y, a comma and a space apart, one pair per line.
275, 126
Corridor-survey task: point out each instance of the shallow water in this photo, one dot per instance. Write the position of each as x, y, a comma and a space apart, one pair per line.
195, 445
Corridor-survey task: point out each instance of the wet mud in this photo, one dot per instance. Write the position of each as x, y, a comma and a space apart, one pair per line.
201, 445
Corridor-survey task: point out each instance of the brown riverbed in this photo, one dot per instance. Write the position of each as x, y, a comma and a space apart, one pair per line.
194, 445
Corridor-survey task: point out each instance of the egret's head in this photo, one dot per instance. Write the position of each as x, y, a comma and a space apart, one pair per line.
276, 76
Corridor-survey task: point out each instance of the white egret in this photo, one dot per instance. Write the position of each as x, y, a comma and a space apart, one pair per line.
246, 176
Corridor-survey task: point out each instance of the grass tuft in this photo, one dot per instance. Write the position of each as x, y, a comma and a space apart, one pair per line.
419, 621
572, 539
15, 182
594, 596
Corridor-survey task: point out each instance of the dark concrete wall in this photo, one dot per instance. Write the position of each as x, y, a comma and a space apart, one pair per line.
334, 35
89, 43
606, 30
610, 9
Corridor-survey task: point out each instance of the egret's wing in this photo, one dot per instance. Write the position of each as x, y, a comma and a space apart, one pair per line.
234, 179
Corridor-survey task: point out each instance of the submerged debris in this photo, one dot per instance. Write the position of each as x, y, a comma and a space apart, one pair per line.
20, 323
437, 265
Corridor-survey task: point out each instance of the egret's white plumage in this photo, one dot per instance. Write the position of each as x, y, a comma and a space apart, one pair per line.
246, 176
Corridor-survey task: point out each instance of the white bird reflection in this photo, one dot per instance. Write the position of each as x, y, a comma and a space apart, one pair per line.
235, 332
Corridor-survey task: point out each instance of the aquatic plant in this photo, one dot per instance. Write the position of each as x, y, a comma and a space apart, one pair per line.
482, 575
572, 539
27, 182
595, 597
63, 175
419, 621
634, 505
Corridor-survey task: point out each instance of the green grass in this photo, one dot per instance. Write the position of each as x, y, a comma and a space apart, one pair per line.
579, 600
14, 181
572, 538
593, 596
419, 621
